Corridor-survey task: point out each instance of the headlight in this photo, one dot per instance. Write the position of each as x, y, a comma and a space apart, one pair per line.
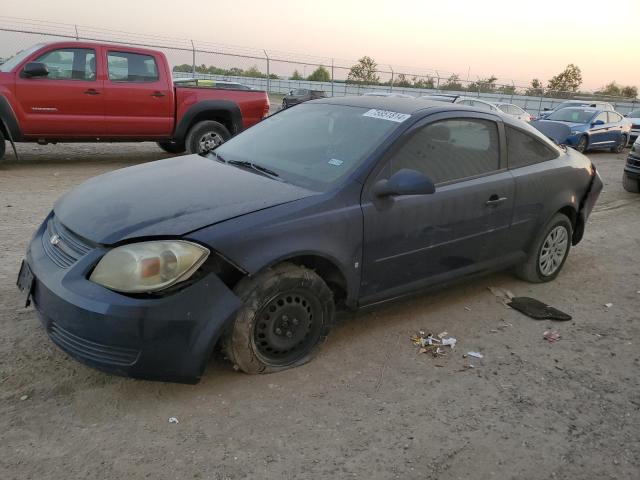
148, 266
576, 132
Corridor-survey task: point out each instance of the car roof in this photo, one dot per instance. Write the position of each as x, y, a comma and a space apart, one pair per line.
395, 104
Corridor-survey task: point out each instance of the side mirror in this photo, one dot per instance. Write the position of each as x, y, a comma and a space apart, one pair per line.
404, 182
597, 122
35, 69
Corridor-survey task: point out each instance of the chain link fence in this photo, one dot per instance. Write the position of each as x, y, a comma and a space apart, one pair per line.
280, 72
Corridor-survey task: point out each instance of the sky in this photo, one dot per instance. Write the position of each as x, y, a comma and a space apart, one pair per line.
511, 39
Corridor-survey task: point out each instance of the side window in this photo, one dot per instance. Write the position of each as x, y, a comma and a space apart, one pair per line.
614, 117
451, 150
70, 64
602, 117
132, 67
524, 149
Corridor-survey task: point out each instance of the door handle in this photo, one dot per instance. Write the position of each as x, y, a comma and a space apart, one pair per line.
495, 200
91, 91
158, 94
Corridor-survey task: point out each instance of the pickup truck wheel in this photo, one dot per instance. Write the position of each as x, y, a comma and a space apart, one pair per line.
172, 147
286, 315
205, 136
549, 251
3, 145
630, 184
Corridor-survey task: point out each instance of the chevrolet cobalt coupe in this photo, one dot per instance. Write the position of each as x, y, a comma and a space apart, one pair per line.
335, 203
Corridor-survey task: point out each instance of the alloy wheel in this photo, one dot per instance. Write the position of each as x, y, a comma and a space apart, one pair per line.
553, 250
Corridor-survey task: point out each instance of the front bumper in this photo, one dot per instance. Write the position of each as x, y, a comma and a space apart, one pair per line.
163, 338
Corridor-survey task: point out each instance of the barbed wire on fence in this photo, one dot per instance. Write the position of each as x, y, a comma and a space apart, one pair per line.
412, 80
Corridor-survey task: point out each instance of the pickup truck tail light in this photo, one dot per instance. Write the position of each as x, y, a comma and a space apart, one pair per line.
267, 106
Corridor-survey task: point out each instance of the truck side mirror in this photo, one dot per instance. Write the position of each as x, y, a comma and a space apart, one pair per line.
35, 69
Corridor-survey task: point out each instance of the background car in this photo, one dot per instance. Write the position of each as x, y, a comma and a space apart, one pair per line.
515, 111
631, 175
301, 95
441, 97
586, 128
577, 103
634, 118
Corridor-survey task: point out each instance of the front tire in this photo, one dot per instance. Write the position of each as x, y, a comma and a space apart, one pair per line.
284, 104
286, 315
582, 144
172, 147
630, 184
205, 136
549, 251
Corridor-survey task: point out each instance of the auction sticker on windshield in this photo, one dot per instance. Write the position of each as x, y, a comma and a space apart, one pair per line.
386, 115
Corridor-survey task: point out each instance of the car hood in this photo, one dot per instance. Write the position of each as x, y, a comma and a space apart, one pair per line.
168, 198
556, 131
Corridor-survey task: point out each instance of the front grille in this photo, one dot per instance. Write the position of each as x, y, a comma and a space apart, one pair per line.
635, 126
67, 247
92, 351
633, 161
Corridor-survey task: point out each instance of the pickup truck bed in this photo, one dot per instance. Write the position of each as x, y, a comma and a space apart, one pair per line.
84, 91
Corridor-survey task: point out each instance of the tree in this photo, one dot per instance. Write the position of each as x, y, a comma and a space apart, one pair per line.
426, 82
401, 81
568, 80
364, 71
452, 83
629, 91
296, 76
320, 74
535, 88
483, 85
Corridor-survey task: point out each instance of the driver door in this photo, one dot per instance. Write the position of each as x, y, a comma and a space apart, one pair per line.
67, 103
415, 240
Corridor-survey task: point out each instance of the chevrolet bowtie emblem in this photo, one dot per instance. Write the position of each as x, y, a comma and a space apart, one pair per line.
54, 240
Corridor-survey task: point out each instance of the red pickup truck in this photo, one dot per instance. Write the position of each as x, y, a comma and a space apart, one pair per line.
82, 92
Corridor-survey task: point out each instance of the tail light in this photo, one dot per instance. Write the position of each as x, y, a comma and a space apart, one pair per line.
267, 106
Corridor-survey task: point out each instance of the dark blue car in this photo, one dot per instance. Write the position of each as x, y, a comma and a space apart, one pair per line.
335, 203
586, 128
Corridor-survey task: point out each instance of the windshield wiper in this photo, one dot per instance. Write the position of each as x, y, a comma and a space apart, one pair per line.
253, 166
216, 155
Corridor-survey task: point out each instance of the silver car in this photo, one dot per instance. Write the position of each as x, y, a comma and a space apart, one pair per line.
634, 118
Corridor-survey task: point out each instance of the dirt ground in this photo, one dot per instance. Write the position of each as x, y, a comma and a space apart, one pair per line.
369, 406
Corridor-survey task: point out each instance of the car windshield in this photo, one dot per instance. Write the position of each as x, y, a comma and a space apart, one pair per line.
573, 115
312, 145
11, 63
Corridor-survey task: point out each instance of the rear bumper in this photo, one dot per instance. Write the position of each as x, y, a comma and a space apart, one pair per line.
167, 338
586, 206
632, 167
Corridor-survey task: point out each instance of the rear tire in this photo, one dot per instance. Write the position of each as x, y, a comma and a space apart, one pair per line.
3, 145
549, 251
620, 145
630, 184
172, 147
205, 136
286, 315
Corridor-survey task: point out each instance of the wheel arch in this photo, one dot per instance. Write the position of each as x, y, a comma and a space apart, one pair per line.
222, 111
9, 125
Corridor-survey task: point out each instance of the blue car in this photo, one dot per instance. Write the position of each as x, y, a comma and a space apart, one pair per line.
586, 128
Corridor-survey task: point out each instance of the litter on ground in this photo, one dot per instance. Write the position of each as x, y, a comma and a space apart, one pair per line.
551, 336
501, 294
433, 345
608, 305
173, 420
475, 354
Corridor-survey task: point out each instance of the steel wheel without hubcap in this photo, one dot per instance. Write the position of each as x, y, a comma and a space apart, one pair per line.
209, 141
284, 104
620, 145
286, 328
553, 250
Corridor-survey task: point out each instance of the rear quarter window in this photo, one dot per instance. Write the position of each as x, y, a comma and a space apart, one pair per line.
524, 149
132, 67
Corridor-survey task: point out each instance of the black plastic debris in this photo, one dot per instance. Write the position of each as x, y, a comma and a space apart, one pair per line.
537, 310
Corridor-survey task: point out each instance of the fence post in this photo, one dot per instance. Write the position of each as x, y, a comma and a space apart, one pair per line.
540, 104
332, 77
392, 74
193, 59
268, 72
513, 91
437, 80
77, 36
